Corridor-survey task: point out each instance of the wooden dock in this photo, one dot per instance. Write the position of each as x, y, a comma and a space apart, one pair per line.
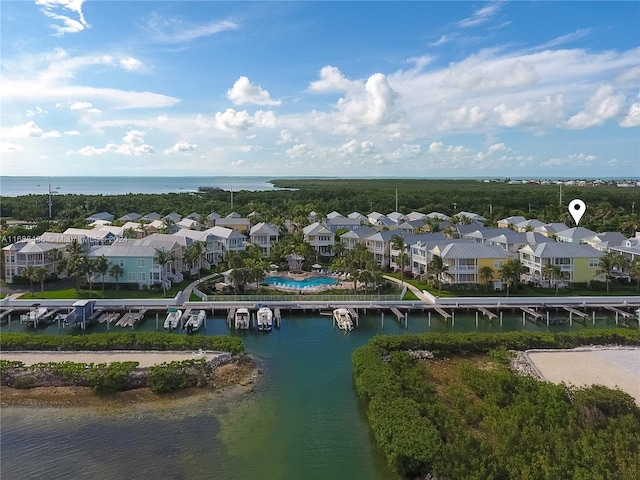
397, 313
575, 312
533, 313
617, 311
109, 317
277, 316
446, 315
131, 318
487, 313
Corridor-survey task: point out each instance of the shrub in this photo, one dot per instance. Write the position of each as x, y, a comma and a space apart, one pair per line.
111, 378
172, 376
120, 341
24, 382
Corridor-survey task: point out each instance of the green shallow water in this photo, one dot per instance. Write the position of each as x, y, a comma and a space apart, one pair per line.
302, 422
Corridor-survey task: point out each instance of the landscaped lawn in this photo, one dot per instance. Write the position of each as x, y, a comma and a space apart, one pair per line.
615, 289
109, 293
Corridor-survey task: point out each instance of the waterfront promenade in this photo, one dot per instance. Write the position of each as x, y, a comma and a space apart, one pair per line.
622, 307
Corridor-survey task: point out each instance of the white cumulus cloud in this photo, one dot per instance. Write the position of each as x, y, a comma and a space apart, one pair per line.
244, 92
132, 145
603, 105
633, 117
373, 105
297, 150
181, 147
130, 63
332, 80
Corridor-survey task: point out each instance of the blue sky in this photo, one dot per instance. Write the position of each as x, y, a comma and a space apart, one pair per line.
349, 89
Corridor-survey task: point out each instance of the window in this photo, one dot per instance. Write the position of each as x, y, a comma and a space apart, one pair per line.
131, 277
142, 262
142, 277
121, 262
593, 262
498, 263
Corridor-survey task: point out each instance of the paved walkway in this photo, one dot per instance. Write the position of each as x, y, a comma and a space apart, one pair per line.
186, 293
416, 291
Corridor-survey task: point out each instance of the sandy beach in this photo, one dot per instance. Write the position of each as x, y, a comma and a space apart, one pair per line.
145, 359
613, 367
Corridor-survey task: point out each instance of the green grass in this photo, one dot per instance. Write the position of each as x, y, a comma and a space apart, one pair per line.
109, 293
615, 289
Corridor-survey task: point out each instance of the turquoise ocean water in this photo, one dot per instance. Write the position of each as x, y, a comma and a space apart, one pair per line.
303, 421
15, 186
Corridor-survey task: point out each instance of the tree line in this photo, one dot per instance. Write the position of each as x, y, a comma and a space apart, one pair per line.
609, 208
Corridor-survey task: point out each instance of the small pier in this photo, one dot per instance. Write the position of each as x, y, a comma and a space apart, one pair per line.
277, 316
109, 317
354, 315
619, 312
577, 313
531, 312
487, 313
6, 312
446, 315
129, 319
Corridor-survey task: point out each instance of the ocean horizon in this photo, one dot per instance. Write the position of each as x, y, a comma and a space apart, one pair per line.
14, 186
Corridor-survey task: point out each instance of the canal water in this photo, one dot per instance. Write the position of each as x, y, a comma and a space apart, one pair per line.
303, 421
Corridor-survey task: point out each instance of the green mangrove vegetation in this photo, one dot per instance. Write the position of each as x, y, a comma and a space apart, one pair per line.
466, 414
109, 378
610, 207
10, 341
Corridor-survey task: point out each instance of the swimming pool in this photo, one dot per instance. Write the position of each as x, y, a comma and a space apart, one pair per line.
301, 284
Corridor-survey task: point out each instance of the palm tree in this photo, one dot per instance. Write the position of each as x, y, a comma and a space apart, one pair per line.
555, 274
90, 270
41, 273
397, 243
486, 274
116, 271
162, 258
436, 268
605, 265
511, 272
59, 261
77, 261
634, 271
193, 255
240, 277
29, 272
101, 266
338, 249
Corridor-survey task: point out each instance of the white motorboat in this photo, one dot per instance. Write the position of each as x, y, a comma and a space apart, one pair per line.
195, 322
265, 319
173, 319
343, 320
36, 312
242, 319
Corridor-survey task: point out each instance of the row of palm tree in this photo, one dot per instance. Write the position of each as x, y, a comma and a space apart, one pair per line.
616, 261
